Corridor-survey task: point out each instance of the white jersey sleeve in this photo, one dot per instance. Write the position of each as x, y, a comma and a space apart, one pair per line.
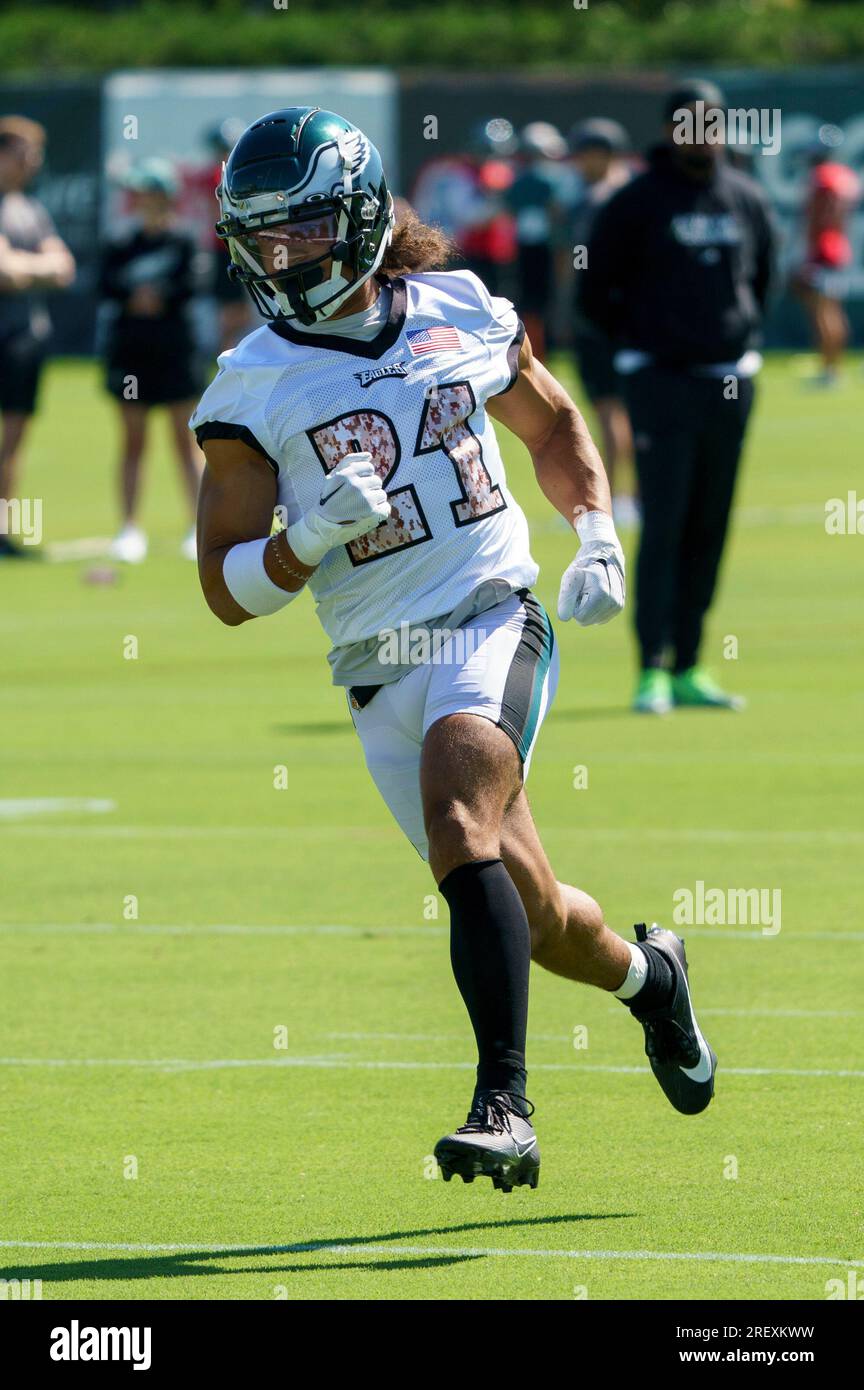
493, 320
232, 408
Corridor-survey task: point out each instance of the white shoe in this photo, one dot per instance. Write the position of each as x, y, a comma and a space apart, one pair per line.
827, 380
130, 546
189, 546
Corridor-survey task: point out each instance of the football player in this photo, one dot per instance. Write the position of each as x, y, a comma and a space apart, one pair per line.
821, 283
363, 410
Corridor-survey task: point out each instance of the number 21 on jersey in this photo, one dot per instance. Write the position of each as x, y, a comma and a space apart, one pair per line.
443, 426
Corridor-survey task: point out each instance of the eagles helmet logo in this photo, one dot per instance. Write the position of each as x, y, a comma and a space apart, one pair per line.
356, 149
306, 212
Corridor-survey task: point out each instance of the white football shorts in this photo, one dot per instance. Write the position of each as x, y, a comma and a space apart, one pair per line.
501, 664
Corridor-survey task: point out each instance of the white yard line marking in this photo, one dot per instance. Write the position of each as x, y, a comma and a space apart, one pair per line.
615, 1009
18, 808
814, 837
130, 929
734, 934
345, 1062
789, 514
441, 1037
84, 548
227, 929
319, 1247
801, 514
749, 1013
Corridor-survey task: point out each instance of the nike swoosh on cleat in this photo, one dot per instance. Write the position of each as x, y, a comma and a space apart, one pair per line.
702, 1070
528, 1147
704, 1067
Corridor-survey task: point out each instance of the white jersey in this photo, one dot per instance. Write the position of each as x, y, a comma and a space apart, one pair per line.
414, 397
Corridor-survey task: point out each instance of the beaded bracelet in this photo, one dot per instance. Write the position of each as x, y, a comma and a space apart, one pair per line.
295, 574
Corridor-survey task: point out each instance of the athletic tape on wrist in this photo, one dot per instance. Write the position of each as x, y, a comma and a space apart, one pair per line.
305, 542
596, 526
248, 582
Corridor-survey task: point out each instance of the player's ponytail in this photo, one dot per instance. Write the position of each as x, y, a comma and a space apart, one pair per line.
415, 246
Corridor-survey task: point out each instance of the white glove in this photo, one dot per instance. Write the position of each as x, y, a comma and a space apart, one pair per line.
352, 503
592, 589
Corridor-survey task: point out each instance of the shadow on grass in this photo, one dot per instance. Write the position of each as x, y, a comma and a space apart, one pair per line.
582, 714
321, 726
587, 713
182, 1263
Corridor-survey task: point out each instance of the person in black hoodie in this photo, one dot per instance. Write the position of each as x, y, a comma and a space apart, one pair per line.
678, 270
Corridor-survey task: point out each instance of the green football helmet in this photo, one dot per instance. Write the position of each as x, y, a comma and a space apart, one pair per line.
306, 212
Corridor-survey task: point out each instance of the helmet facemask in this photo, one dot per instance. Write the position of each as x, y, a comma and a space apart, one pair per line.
303, 262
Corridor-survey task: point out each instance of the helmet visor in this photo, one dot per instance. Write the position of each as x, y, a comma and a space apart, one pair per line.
285, 246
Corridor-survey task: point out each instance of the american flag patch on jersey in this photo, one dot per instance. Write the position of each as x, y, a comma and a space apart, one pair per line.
444, 338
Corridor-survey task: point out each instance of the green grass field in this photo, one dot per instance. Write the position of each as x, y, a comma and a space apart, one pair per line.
148, 1045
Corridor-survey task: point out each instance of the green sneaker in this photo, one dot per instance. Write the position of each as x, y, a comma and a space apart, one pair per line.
695, 687
654, 692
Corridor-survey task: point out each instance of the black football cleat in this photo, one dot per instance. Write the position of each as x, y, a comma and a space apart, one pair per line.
497, 1141
680, 1057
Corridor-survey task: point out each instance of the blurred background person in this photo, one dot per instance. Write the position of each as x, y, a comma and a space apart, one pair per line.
33, 259
147, 283
465, 195
821, 282
236, 314
537, 199
599, 154
679, 265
